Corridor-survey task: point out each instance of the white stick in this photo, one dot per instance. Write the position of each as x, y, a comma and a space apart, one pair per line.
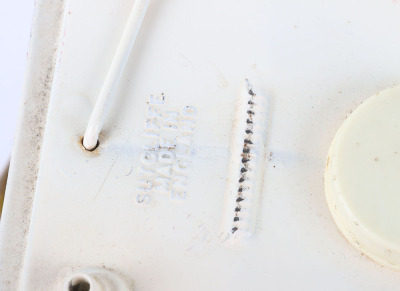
124, 48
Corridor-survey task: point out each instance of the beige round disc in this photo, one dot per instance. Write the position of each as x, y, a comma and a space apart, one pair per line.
362, 178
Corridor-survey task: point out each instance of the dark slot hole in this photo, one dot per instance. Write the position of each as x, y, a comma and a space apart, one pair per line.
79, 286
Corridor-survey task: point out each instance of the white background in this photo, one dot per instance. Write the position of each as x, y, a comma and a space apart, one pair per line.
15, 25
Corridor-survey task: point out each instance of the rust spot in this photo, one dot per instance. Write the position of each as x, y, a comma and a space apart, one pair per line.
167, 148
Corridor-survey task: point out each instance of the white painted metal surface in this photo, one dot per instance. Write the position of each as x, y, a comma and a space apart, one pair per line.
150, 205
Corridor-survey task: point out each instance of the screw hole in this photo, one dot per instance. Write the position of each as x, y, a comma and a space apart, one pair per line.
79, 285
91, 150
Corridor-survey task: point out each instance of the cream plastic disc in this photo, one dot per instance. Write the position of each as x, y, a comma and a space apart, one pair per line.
362, 178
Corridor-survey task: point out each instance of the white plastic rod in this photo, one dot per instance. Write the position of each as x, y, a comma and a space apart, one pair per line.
90, 139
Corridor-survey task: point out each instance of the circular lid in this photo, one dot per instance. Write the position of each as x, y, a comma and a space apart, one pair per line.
362, 178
